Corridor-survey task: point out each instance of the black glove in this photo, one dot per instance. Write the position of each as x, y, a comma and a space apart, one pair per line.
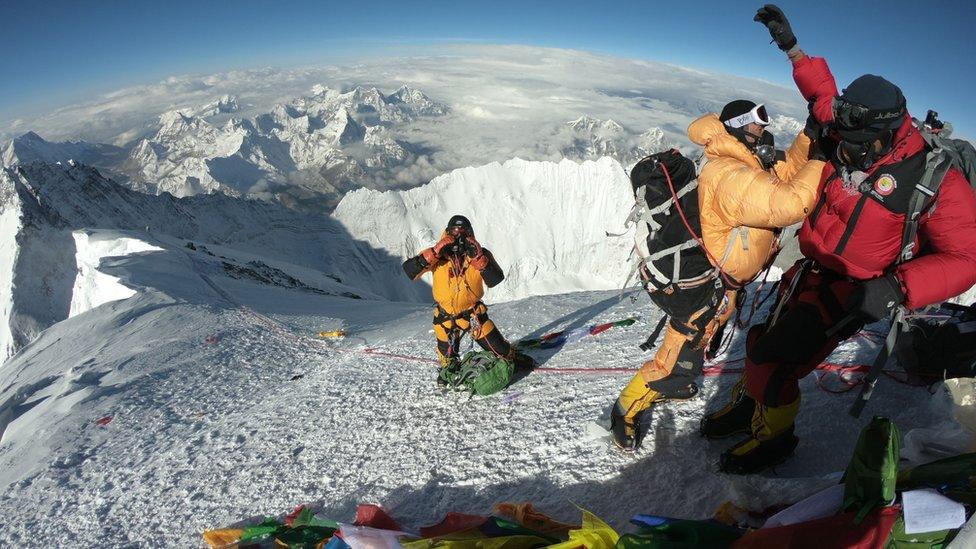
471, 247
822, 145
813, 127
779, 27
875, 299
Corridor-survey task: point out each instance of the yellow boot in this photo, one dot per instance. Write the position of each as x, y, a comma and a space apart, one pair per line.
733, 418
771, 443
625, 416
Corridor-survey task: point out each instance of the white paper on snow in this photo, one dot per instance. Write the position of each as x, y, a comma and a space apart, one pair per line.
928, 511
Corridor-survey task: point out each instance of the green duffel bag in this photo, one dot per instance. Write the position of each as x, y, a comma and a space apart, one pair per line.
869, 482
481, 373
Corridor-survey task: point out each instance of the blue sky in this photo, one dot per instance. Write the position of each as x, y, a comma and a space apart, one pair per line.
58, 52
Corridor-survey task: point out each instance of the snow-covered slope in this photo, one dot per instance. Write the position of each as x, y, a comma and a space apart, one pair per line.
204, 400
49, 257
176, 384
545, 222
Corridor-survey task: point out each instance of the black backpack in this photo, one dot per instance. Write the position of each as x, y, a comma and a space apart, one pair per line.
668, 251
940, 345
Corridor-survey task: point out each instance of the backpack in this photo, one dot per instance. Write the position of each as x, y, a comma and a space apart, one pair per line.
938, 348
480, 373
869, 481
668, 252
943, 154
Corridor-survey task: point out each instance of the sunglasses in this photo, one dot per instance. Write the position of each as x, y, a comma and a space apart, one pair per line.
757, 115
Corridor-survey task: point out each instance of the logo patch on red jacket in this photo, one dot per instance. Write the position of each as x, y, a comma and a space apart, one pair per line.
885, 185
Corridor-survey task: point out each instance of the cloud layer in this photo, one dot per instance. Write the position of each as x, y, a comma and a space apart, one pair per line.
507, 101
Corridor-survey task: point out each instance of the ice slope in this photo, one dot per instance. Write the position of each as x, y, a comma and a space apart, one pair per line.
545, 222
93, 287
221, 406
43, 206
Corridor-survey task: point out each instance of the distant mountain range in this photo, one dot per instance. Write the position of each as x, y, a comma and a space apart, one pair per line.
309, 152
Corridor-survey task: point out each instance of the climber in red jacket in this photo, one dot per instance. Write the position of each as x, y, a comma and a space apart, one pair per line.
856, 269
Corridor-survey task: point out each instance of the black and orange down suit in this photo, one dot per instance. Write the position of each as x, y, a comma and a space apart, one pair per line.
459, 285
742, 207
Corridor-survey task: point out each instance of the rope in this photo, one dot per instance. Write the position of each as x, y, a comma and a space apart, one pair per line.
710, 371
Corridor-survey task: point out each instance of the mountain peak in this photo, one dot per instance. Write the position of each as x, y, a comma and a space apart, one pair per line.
30, 137
224, 104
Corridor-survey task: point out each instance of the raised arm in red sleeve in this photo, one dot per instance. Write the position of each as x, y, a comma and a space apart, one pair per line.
816, 83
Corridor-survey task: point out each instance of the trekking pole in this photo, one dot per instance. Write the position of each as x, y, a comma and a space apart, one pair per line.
871, 378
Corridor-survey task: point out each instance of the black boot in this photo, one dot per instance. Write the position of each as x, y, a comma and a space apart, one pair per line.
734, 418
626, 435
523, 361
681, 393
752, 455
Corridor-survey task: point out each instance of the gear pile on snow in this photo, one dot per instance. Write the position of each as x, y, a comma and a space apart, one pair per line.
874, 506
480, 373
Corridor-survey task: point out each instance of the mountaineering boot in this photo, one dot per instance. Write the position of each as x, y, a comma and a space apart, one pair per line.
625, 433
523, 361
771, 442
624, 419
680, 393
733, 418
752, 455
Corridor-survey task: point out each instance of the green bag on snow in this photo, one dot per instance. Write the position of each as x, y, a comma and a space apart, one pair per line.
481, 373
924, 540
869, 481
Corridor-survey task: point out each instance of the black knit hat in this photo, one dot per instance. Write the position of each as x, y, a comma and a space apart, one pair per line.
877, 94
736, 108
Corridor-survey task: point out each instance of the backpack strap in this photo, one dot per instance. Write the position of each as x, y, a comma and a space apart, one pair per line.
937, 164
674, 251
641, 212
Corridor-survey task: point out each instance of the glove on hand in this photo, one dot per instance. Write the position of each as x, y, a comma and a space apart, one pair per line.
875, 299
779, 27
432, 254
476, 254
471, 247
822, 145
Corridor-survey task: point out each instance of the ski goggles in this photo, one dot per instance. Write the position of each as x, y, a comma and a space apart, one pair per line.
854, 116
757, 115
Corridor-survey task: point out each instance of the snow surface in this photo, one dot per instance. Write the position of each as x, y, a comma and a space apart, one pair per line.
44, 205
204, 398
224, 408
